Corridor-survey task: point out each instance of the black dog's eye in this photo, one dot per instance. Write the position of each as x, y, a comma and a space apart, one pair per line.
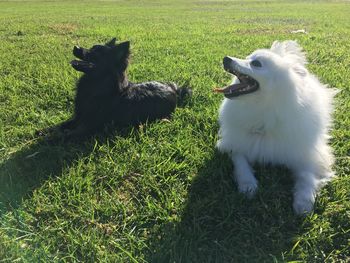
98, 49
256, 63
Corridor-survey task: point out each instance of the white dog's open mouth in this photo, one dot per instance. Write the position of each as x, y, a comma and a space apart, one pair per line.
246, 85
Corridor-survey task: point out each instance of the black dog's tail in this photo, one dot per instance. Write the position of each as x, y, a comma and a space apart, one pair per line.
183, 93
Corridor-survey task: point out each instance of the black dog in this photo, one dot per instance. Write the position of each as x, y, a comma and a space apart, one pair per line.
104, 94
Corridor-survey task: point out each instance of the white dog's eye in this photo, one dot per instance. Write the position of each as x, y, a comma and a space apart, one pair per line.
256, 63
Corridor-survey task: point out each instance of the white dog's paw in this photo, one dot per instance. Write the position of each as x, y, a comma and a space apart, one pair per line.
303, 205
248, 188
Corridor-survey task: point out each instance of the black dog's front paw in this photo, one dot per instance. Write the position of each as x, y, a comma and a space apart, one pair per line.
45, 132
79, 132
40, 133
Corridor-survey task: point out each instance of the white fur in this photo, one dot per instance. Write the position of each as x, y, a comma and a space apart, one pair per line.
285, 122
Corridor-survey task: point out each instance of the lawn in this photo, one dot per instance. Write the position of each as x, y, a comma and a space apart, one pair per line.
159, 193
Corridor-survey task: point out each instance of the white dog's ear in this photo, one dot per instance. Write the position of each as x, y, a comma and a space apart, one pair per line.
289, 49
277, 47
300, 70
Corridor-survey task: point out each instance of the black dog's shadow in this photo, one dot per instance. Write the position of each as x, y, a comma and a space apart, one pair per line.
45, 157
219, 224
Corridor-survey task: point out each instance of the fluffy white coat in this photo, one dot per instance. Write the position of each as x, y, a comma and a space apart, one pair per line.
285, 122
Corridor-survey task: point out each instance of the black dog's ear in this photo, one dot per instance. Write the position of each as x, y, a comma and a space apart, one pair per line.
121, 55
122, 50
111, 43
124, 46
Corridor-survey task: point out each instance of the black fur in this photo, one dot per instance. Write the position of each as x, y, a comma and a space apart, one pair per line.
105, 95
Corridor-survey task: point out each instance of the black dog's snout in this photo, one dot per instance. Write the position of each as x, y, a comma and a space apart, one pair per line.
227, 62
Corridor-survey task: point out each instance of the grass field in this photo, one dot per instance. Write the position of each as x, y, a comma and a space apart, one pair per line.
160, 193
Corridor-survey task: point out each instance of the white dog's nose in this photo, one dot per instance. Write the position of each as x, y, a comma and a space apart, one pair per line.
227, 62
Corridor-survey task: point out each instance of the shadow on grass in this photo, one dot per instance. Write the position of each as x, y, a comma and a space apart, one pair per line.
220, 225
29, 168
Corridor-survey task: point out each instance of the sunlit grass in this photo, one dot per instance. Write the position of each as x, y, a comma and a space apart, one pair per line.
160, 193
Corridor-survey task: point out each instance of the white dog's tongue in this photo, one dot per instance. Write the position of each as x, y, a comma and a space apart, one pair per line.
230, 89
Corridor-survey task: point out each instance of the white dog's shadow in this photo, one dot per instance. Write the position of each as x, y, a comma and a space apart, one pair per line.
221, 225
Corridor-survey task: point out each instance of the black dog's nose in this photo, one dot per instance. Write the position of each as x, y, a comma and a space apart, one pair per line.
78, 52
227, 62
75, 50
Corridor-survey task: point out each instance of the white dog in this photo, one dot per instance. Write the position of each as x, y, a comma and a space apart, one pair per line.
279, 113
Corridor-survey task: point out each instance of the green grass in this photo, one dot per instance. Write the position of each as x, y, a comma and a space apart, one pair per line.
161, 193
